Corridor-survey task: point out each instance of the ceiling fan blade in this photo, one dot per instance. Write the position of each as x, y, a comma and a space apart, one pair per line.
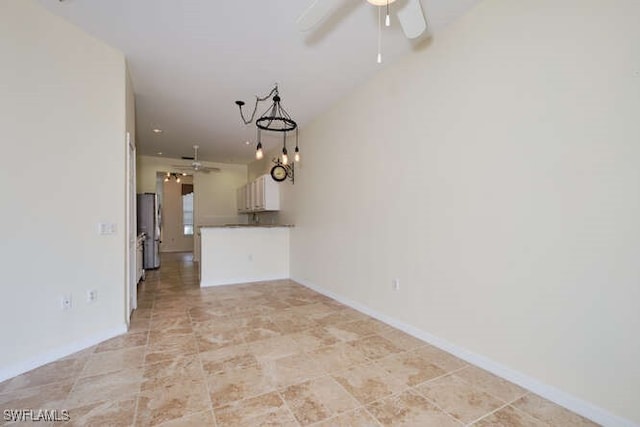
187, 158
317, 12
412, 19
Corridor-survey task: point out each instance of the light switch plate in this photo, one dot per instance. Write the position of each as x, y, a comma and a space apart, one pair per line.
106, 228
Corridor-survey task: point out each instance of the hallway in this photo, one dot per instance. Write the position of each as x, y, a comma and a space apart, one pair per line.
271, 353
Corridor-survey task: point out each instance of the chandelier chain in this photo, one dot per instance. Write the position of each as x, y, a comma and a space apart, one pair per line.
273, 92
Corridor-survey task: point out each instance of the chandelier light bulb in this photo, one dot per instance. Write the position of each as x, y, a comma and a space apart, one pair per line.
178, 180
387, 20
259, 152
285, 157
296, 156
379, 58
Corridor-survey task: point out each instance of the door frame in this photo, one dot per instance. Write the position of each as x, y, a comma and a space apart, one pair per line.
131, 283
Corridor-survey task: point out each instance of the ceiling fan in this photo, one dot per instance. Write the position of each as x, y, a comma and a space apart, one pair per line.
409, 13
195, 165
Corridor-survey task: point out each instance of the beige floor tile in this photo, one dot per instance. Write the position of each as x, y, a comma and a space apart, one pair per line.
336, 358
107, 413
171, 401
335, 317
60, 370
459, 398
207, 314
290, 322
403, 340
128, 340
275, 347
198, 419
48, 396
409, 409
239, 384
509, 417
215, 340
357, 418
293, 369
265, 331
82, 354
411, 368
139, 325
495, 386
227, 358
114, 360
351, 331
368, 383
169, 325
549, 412
374, 347
167, 372
440, 358
111, 386
267, 409
317, 400
314, 338
173, 346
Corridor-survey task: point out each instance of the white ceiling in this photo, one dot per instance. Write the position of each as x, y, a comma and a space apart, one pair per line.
191, 59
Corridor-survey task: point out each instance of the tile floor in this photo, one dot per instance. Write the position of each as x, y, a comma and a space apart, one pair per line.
274, 354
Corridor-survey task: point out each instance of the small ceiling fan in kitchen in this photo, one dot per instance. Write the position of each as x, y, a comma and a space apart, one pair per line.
195, 165
408, 12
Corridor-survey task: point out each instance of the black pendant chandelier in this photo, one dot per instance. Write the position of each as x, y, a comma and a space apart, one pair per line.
274, 119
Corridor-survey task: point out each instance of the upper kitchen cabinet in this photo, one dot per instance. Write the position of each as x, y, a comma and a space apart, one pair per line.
262, 194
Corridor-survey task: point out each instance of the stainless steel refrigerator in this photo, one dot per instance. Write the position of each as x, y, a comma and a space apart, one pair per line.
149, 223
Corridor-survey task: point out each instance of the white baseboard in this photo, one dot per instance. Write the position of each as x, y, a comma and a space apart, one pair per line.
59, 352
241, 280
574, 404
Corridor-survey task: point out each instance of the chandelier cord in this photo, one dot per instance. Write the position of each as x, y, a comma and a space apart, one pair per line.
274, 91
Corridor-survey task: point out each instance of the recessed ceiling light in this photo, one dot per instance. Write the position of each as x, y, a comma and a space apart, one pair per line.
247, 142
156, 130
159, 153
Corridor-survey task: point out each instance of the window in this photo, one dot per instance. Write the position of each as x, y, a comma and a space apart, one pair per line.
187, 209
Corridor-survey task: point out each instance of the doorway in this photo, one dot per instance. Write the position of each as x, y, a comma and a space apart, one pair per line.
176, 194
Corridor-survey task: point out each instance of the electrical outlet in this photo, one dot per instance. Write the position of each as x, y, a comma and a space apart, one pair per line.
395, 284
66, 302
92, 295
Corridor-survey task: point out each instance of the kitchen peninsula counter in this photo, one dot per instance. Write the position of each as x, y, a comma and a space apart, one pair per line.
240, 253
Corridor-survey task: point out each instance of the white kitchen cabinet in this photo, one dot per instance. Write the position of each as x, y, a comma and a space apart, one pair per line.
261, 194
240, 199
247, 198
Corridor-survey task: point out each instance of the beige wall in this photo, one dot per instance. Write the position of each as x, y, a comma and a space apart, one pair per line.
495, 173
62, 172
